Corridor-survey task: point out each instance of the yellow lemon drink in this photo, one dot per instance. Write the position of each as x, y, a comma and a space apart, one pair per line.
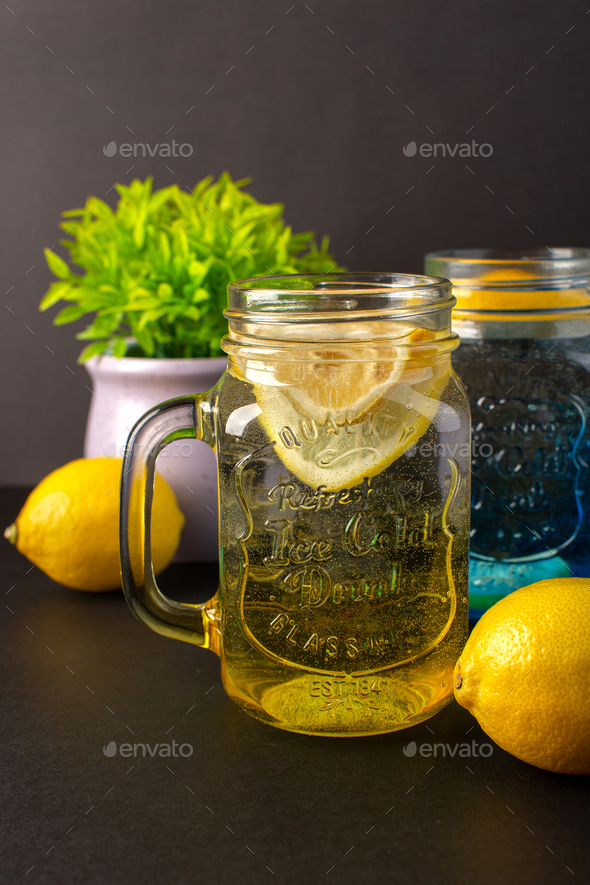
342, 440
343, 478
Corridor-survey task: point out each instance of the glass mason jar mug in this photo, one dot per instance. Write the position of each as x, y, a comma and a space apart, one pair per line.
342, 440
524, 321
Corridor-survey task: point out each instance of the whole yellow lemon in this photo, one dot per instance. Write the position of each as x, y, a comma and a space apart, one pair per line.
69, 525
525, 674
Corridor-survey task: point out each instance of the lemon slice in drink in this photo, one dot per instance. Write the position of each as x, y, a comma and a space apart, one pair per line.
335, 420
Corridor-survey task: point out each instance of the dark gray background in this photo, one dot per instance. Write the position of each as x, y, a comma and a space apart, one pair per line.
305, 110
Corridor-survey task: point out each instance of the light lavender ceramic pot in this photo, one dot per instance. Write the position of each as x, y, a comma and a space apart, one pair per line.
123, 389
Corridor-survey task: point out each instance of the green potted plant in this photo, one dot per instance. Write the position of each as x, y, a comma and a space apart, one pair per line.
154, 278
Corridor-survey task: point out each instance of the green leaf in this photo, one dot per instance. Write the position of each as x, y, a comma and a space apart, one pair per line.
165, 292
55, 293
57, 265
103, 327
120, 347
93, 350
198, 269
145, 341
69, 315
139, 230
200, 295
151, 316
164, 244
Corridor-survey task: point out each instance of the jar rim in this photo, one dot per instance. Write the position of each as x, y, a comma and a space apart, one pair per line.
327, 309
331, 293
523, 255
506, 270
519, 286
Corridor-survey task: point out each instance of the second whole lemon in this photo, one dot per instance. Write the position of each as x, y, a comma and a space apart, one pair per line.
69, 524
525, 674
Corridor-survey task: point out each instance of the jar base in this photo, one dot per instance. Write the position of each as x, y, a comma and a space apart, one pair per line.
346, 712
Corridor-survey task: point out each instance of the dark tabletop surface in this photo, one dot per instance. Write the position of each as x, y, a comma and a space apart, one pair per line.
251, 803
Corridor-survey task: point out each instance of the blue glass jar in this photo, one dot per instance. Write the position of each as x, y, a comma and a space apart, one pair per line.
524, 321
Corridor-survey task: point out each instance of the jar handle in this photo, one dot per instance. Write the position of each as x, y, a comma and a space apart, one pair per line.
180, 418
